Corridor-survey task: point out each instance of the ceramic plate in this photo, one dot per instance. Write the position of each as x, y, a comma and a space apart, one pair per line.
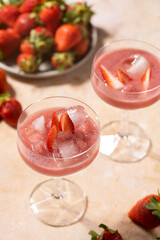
45, 69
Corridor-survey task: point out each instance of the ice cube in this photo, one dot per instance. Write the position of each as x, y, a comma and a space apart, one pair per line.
68, 148
37, 143
77, 114
138, 65
39, 124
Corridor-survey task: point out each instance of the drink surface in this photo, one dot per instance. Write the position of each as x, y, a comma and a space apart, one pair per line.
134, 64
71, 152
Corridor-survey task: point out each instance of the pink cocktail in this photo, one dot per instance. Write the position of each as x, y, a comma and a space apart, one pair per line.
54, 148
126, 74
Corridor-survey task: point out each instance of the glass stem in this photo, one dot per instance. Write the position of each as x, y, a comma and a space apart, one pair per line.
57, 188
124, 125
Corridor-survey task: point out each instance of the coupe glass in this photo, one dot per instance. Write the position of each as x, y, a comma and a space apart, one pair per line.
124, 141
58, 201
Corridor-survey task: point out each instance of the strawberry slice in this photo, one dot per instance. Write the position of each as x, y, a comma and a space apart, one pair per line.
146, 78
50, 138
110, 79
66, 123
55, 122
123, 77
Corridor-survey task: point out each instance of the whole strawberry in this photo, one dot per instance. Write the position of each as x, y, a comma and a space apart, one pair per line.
147, 211
9, 15
10, 111
4, 87
42, 40
9, 42
107, 234
28, 63
61, 61
50, 15
24, 24
78, 12
67, 36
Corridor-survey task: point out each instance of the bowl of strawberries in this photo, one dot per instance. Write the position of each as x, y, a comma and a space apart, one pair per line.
45, 38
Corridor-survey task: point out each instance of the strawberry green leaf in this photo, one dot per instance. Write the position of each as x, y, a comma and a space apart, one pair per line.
48, 4
15, 2
154, 204
1, 2
156, 214
61, 67
32, 15
93, 234
4, 97
158, 238
1, 55
151, 206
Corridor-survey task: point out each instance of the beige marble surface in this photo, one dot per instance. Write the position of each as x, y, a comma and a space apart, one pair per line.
112, 188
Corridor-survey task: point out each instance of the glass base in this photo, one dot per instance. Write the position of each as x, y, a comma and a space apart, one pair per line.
131, 148
58, 209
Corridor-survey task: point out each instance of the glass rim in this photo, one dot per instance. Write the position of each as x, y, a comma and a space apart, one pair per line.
123, 40
68, 158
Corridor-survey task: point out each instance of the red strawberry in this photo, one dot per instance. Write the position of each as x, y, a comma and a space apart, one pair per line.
78, 12
50, 15
10, 111
146, 79
50, 138
147, 211
67, 36
28, 5
24, 24
123, 77
4, 87
9, 14
107, 234
27, 47
55, 121
42, 40
66, 123
28, 62
62, 61
110, 79
82, 47
9, 41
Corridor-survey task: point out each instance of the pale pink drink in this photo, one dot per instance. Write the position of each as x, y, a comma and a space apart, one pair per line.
68, 153
126, 74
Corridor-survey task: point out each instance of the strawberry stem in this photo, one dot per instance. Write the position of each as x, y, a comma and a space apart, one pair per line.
93, 234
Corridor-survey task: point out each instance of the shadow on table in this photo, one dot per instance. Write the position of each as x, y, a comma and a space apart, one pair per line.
76, 77
154, 155
134, 230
